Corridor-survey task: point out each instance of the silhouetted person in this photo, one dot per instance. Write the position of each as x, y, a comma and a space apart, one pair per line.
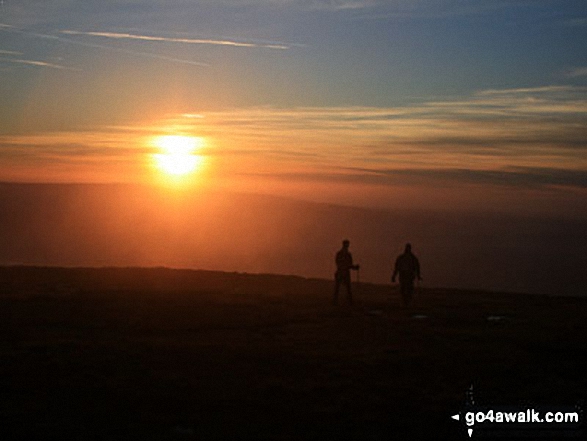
408, 268
344, 265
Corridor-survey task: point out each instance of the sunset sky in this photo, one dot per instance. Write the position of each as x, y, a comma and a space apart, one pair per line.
457, 104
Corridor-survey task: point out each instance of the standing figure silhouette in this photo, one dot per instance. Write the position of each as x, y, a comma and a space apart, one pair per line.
408, 268
344, 265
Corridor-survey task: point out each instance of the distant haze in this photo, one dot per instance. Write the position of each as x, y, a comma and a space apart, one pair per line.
124, 225
458, 125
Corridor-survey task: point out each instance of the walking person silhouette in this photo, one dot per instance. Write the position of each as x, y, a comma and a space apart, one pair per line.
408, 268
344, 265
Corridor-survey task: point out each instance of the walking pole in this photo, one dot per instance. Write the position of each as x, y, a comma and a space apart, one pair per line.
358, 280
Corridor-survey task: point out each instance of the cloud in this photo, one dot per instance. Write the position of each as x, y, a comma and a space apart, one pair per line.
513, 116
517, 137
528, 90
382, 7
532, 128
32, 13
95, 148
136, 37
33, 63
5, 52
530, 177
577, 72
14, 29
333, 5
515, 177
434, 9
341, 5
151, 38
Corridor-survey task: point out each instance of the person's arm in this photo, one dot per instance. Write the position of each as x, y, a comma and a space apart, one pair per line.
417, 269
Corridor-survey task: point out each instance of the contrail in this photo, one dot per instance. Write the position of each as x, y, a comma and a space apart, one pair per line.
35, 63
9, 28
5, 52
175, 40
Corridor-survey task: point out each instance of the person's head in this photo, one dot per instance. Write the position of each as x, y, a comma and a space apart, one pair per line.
408, 248
345, 243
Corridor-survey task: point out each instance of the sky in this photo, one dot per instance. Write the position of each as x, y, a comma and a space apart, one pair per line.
441, 104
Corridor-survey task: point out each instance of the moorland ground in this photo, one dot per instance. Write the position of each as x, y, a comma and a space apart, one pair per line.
161, 354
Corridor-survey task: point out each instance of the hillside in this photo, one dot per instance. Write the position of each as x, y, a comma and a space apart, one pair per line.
124, 225
162, 354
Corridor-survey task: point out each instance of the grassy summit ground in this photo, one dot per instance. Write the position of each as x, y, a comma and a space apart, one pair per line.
159, 354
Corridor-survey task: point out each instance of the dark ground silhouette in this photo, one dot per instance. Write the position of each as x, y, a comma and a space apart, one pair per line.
158, 354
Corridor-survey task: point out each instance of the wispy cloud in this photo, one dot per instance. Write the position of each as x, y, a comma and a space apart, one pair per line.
532, 137
530, 177
378, 7
126, 36
518, 177
407, 9
528, 90
577, 72
52, 149
14, 29
341, 5
34, 63
5, 52
490, 130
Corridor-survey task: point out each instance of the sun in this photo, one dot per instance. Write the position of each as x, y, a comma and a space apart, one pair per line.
178, 157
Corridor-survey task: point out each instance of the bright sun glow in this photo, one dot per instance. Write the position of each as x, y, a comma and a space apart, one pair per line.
178, 154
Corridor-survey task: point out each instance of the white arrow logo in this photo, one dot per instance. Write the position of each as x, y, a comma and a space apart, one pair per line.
457, 417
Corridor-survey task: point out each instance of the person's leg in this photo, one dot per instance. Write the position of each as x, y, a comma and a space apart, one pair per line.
402, 289
348, 289
409, 292
406, 288
336, 288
